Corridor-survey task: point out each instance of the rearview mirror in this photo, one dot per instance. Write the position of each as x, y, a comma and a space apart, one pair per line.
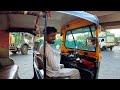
92, 41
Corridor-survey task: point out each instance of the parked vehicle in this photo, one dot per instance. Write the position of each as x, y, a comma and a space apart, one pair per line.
19, 43
106, 40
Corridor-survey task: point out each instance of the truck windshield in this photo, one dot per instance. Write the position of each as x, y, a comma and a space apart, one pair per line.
79, 37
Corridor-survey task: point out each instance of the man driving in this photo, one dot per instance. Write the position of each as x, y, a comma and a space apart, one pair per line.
52, 68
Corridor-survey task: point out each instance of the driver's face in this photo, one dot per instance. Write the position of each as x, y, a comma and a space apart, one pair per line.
51, 38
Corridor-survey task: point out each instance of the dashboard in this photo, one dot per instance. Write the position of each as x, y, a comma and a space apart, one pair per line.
85, 64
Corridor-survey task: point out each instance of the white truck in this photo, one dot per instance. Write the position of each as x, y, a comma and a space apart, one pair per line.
106, 40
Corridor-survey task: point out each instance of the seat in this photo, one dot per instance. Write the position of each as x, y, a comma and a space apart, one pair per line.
38, 66
6, 61
65, 77
8, 69
9, 72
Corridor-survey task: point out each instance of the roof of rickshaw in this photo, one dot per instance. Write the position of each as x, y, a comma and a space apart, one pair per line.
82, 14
27, 19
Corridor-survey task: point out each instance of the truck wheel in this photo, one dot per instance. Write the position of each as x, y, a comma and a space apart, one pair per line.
14, 52
24, 49
111, 48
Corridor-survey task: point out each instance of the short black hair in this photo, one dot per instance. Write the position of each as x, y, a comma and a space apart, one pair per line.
50, 30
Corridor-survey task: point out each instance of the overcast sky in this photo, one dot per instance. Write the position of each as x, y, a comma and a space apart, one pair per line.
115, 31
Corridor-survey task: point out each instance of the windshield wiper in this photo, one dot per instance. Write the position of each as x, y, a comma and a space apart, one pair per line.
73, 38
75, 49
91, 31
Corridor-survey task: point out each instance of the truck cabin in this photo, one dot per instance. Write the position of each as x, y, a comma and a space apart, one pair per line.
106, 40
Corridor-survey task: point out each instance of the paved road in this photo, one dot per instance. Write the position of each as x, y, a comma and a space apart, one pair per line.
110, 64
109, 67
25, 63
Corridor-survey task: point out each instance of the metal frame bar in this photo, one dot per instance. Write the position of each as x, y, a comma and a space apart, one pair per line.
44, 56
23, 12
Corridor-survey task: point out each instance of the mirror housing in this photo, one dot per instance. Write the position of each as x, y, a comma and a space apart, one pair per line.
93, 40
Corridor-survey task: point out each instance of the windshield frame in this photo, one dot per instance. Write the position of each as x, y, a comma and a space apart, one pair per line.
70, 30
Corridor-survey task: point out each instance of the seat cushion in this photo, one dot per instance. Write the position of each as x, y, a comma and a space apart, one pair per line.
65, 77
6, 61
9, 72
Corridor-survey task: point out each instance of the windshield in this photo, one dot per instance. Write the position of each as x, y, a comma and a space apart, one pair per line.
80, 37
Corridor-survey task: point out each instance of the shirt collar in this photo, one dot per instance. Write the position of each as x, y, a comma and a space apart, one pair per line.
47, 43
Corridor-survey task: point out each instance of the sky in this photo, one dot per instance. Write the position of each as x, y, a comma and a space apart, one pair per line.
115, 31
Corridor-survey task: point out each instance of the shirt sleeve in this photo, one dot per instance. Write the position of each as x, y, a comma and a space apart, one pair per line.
51, 60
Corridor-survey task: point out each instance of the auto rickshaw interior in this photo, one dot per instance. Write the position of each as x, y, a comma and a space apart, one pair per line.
77, 39
82, 45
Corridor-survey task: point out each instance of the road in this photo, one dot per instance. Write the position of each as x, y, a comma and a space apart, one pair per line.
109, 66
25, 63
